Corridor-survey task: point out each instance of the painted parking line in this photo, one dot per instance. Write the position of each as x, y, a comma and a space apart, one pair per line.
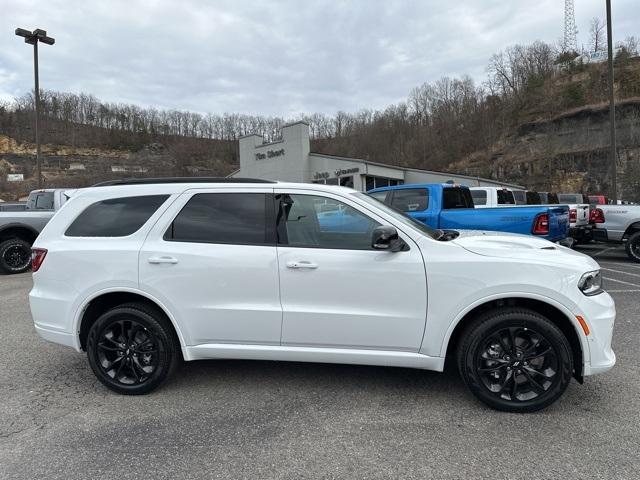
621, 281
621, 271
615, 264
604, 250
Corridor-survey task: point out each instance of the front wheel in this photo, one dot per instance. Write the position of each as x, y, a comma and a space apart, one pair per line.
633, 247
131, 349
515, 360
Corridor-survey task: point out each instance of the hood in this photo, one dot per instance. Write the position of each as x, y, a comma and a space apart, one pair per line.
512, 245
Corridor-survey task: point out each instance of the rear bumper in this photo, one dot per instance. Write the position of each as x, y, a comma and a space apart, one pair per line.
580, 233
62, 338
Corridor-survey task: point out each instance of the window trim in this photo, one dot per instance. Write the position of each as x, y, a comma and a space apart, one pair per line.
310, 193
270, 212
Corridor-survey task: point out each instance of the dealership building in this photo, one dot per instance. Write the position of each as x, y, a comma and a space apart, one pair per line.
291, 160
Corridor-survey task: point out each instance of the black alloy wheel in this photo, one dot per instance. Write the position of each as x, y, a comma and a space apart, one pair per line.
517, 363
131, 349
516, 360
633, 247
15, 256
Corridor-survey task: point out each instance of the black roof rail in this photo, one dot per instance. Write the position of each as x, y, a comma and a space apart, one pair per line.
151, 181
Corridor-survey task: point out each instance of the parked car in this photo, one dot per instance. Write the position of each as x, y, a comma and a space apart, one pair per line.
451, 207
141, 275
619, 224
598, 199
19, 229
579, 224
486, 197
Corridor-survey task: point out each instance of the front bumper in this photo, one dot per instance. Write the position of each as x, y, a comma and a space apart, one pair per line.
600, 314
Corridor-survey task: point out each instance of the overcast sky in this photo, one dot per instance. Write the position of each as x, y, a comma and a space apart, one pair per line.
274, 57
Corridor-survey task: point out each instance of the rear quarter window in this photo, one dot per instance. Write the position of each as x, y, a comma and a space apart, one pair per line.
115, 217
479, 197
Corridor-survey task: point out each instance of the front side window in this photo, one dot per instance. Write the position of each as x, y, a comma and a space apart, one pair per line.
479, 197
410, 200
115, 217
320, 222
229, 218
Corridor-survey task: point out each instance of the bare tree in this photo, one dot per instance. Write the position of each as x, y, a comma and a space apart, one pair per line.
598, 33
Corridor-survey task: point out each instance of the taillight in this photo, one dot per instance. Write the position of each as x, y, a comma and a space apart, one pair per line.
573, 215
541, 224
596, 216
37, 257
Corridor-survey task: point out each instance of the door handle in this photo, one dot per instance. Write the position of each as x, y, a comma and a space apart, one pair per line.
302, 264
157, 260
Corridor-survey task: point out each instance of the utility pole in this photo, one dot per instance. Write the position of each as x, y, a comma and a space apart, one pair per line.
33, 38
612, 111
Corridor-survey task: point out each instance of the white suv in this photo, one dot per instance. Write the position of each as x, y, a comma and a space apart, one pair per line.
141, 274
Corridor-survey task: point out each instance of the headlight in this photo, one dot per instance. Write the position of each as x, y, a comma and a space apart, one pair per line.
591, 283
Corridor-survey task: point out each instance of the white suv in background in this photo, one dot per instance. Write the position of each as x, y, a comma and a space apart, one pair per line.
142, 273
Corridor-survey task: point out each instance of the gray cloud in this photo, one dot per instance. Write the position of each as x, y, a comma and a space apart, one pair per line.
276, 57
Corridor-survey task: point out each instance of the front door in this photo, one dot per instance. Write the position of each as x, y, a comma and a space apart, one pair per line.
212, 260
336, 291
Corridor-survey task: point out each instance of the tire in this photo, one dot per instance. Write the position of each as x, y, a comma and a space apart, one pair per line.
633, 247
15, 256
132, 349
485, 356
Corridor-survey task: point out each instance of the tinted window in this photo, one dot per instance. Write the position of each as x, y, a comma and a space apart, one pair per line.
40, 201
453, 197
479, 197
569, 198
410, 200
505, 197
233, 218
519, 196
533, 198
116, 217
379, 195
320, 222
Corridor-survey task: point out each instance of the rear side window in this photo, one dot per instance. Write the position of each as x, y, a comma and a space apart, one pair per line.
410, 200
505, 197
479, 197
115, 217
453, 197
229, 218
379, 195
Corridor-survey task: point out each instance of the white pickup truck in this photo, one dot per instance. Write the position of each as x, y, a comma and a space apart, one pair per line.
19, 229
488, 197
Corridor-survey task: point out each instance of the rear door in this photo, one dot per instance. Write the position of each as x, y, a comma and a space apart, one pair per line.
336, 291
212, 260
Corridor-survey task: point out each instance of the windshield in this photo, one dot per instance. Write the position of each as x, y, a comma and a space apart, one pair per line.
400, 216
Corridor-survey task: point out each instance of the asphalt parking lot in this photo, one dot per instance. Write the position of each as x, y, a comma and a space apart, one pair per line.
242, 419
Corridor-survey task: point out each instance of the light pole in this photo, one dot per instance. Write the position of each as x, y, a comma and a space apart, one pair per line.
32, 38
612, 110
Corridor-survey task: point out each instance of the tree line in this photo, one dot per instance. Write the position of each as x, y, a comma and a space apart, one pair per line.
439, 122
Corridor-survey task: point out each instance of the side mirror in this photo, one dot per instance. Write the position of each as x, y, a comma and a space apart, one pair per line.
386, 238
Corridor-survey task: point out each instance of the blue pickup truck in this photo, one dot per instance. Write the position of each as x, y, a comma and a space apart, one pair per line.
450, 207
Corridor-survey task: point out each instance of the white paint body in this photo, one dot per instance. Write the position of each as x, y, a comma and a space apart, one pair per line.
354, 306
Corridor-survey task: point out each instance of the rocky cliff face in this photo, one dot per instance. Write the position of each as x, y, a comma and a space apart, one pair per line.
568, 153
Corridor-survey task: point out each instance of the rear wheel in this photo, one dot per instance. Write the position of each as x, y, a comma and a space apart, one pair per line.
131, 349
515, 360
15, 256
633, 247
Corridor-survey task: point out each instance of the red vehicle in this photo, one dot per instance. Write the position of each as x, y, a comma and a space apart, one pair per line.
598, 199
